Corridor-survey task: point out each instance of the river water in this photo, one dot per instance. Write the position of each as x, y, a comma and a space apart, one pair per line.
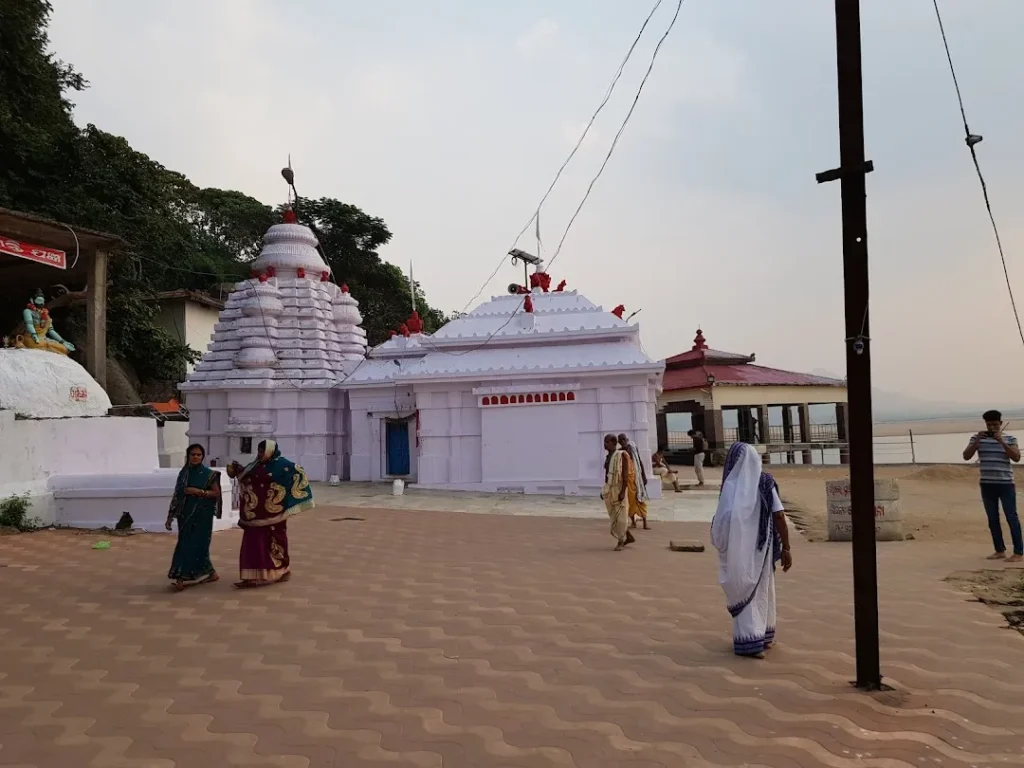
926, 449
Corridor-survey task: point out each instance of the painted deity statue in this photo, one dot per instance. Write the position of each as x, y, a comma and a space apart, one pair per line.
36, 329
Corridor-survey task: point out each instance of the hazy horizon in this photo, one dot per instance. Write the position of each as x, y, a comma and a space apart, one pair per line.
449, 119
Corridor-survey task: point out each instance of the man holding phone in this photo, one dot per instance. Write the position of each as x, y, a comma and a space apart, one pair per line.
995, 452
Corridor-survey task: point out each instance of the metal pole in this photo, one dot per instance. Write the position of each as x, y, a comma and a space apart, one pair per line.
852, 176
913, 453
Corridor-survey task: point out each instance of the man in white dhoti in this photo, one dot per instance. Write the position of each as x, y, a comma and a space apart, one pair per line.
751, 535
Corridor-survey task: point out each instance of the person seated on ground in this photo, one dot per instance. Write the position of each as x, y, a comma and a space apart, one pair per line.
664, 471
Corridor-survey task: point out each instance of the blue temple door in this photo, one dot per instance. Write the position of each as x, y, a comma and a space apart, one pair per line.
396, 445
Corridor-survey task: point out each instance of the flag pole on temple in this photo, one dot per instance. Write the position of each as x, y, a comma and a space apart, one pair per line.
412, 287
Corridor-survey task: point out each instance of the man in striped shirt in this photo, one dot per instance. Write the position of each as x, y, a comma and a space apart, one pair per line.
995, 452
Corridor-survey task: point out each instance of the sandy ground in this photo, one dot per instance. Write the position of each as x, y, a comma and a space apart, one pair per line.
940, 502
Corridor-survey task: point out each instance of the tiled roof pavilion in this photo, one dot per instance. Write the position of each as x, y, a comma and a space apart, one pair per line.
704, 382
701, 365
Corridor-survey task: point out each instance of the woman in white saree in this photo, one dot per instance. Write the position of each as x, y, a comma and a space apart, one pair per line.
750, 533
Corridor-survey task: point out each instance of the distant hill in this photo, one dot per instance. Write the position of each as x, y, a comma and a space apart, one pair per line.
895, 406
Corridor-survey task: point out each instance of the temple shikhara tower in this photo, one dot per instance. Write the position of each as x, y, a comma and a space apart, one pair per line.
286, 339
514, 396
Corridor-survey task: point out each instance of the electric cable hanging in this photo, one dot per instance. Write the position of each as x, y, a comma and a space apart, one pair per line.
618, 135
575, 149
611, 151
972, 140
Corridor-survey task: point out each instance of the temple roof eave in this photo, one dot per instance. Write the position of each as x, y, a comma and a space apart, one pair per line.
400, 377
527, 338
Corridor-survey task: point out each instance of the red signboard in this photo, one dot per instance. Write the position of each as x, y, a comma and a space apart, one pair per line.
37, 253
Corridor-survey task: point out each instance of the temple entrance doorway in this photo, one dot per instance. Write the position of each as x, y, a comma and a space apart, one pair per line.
397, 458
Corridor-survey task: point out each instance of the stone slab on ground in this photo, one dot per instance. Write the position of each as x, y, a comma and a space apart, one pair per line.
419, 638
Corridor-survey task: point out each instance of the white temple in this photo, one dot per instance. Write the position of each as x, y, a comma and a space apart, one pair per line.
513, 397
285, 341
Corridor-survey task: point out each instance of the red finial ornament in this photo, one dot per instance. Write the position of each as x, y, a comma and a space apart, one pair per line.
325, 276
271, 272
289, 216
253, 274
263, 277
619, 310
344, 287
414, 322
300, 272
698, 340
540, 280
561, 287
404, 330
528, 304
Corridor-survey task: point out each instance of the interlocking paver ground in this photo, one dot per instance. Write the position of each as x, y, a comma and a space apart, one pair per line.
425, 638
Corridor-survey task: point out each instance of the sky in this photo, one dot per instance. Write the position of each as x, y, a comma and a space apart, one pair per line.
449, 119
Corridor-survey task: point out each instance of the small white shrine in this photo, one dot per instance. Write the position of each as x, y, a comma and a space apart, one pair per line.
76, 465
515, 396
285, 341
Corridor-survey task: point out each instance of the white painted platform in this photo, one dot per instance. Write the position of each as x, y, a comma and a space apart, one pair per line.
97, 501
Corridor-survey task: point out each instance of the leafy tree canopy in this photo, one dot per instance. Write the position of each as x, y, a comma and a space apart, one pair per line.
181, 236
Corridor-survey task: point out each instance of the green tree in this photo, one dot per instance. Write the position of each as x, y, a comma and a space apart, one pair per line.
181, 236
350, 239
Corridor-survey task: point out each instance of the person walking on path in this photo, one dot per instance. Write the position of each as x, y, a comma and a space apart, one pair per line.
636, 482
995, 451
750, 532
699, 447
271, 490
196, 502
616, 468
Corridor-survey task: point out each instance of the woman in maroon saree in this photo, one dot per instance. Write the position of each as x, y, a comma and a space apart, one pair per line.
271, 490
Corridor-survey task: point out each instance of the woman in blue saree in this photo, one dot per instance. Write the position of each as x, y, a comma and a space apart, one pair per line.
196, 501
271, 489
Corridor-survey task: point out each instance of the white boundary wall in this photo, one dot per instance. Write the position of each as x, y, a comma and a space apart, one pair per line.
32, 451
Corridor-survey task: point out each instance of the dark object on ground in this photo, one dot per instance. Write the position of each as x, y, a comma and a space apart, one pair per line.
125, 523
343, 519
686, 546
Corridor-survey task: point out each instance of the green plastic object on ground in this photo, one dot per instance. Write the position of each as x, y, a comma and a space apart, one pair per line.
101, 545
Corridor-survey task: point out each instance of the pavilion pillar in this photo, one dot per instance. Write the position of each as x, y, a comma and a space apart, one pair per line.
763, 435
714, 431
805, 431
787, 432
661, 420
96, 319
843, 431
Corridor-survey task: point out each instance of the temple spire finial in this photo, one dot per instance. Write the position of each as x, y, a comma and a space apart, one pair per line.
698, 340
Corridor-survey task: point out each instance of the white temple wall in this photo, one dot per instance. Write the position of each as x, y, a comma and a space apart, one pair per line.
450, 435
304, 422
549, 447
370, 409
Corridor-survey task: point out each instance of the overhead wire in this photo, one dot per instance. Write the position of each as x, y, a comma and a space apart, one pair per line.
611, 151
575, 149
618, 134
972, 140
